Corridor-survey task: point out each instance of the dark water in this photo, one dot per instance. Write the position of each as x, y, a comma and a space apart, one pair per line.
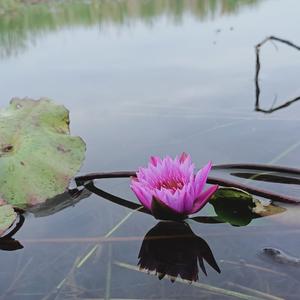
154, 77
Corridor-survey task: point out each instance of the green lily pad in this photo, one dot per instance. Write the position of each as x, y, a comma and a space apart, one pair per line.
238, 207
7, 217
38, 157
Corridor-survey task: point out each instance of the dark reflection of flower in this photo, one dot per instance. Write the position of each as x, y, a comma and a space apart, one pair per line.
171, 248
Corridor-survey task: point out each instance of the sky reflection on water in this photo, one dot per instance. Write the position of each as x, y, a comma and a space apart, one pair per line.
156, 81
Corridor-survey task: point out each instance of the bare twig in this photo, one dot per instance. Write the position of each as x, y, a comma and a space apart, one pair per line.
257, 70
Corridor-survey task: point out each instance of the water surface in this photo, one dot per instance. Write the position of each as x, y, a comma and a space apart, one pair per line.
154, 77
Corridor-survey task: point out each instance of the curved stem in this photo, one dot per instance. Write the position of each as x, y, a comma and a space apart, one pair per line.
259, 167
207, 219
124, 174
254, 190
80, 180
131, 205
92, 188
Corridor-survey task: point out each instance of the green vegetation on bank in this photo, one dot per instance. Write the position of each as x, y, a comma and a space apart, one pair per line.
23, 21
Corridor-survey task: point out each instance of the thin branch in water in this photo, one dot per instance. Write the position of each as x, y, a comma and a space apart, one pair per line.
108, 234
202, 286
255, 267
255, 292
257, 71
16, 279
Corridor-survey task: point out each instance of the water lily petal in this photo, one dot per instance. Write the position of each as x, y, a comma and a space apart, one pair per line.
142, 194
183, 157
169, 199
201, 178
173, 183
161, 194
155, 160
203, 199
176, 200
162, 211
189, 197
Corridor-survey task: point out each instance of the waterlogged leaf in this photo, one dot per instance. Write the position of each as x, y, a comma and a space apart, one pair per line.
238, 207
7, 217
38, 157
59, 202
266, 210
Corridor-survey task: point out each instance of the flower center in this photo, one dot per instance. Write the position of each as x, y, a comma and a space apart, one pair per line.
171, 184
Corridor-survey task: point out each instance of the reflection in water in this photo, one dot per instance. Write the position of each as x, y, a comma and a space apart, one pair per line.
7, 242
172, 249
50, 207
257, 71
21, 24
59, 202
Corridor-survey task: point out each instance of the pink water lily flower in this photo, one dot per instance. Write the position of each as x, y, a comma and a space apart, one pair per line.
169, 189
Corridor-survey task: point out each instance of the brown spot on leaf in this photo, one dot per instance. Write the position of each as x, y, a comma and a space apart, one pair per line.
7, 148
61, 130
61, 148
34, 200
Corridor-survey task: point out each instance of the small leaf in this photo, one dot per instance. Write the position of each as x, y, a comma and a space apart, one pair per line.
7, 217
233, 206
38, 157
238, 207
230, 192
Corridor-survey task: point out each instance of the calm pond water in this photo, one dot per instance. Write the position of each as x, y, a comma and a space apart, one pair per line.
155, 77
